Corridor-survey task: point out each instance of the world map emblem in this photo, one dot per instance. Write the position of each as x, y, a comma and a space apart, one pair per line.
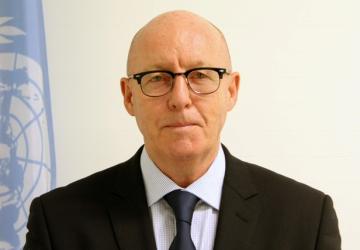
26, 147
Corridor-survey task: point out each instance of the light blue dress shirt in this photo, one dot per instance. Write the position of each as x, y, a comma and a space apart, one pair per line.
208, 188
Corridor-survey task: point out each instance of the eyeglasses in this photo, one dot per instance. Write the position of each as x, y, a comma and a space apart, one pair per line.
201, 81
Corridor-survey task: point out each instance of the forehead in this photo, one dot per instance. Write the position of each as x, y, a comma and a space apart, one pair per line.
177, 44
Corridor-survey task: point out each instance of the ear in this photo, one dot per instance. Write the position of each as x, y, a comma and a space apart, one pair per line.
127, 93
233, 90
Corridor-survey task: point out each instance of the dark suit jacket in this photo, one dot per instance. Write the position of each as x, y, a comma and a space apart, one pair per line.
260, 210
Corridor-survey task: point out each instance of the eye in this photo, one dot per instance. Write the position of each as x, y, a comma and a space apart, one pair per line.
156, 78
199, 75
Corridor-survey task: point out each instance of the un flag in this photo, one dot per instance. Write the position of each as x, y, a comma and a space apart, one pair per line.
27, 158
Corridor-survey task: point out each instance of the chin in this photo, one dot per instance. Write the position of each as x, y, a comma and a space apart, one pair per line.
184, 149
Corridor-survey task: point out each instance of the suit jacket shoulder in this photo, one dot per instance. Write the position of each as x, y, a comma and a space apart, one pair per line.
103, 181
261, 209
107, 210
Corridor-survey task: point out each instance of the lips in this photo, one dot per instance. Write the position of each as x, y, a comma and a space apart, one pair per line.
180, 125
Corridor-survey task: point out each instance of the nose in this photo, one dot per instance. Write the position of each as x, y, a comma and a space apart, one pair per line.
179, 96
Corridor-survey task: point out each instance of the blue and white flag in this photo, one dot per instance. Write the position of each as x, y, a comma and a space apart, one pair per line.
27, 159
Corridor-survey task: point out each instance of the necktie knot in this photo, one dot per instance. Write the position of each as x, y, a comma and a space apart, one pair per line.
183, 204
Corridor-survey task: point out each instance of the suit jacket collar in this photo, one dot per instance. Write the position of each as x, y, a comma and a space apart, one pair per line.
239, 207
127, 207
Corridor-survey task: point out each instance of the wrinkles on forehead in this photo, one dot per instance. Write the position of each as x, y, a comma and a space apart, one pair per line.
176, 32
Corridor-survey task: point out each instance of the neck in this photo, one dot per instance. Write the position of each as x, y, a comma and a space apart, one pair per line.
183, 170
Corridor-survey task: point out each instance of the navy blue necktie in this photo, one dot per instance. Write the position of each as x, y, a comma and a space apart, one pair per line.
183, 204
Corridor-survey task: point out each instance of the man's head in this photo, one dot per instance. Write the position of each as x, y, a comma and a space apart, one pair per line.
180, 124
174, 25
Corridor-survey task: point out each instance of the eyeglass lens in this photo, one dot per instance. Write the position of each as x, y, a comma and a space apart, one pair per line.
202, 81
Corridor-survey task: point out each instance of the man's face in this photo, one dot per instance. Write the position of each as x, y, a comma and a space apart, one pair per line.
180, 124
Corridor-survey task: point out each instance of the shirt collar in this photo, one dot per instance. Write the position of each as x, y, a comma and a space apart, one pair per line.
208, 187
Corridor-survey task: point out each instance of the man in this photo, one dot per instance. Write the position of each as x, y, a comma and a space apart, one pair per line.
180, 86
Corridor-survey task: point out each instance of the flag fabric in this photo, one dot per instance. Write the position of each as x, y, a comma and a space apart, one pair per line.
27, 157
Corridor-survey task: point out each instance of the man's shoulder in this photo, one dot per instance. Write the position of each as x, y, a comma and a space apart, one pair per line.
102, 181
269, 182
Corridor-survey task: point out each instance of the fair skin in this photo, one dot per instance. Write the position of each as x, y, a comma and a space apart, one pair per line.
181, 129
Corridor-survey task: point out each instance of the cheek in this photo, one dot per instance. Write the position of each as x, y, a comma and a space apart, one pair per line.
146, 117
144, 121
214, 115
219, 120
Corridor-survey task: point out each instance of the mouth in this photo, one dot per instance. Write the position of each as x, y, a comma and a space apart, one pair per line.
180, 125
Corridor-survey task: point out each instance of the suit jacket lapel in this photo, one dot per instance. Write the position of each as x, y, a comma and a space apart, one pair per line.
128, 209
130, 217
239, 207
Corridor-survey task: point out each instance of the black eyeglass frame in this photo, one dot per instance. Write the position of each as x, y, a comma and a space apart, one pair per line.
138, 77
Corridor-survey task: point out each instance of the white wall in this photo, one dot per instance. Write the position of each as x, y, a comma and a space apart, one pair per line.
298, 111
